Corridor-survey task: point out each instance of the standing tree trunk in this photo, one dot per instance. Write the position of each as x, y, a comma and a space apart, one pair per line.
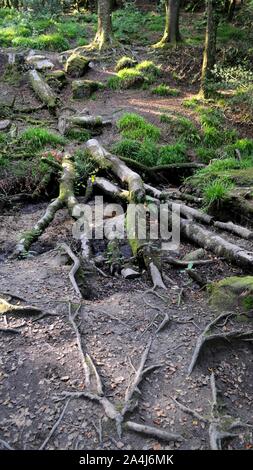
209, 56
104, 35
171, 31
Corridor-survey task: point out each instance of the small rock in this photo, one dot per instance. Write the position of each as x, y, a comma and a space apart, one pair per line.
65, 378
5, 125
40, 62
129, 273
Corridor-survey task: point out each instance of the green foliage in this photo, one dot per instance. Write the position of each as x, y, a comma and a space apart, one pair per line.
155, 22
216, 191
38, 137
149, 70
134, 126
192, 103
222, 165
85, 164
149, 153
145, 72
40, 30
81, 135
205, 154
128, 148
175, 153
182, 127
114, 83
233, 76
127, 23
165, 90
227, 32
210, 117
130, 78
51, 42
243, 99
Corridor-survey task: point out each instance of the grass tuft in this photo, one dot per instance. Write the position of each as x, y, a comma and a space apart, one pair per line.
134, 126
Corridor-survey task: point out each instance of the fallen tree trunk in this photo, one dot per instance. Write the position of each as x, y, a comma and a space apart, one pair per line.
43, 90
218, 245
89, 122
187, 211
172, 170
125, 175
235, 229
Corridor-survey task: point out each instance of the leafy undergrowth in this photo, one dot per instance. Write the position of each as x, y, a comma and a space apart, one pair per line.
42, 30
141, 142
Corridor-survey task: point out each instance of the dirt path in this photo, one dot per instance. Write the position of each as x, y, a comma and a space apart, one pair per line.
116, 326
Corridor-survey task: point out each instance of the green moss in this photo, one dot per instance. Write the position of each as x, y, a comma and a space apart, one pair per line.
125, 63
130, 78
77, 65
134, 126
149, 68
165, 90
231, 292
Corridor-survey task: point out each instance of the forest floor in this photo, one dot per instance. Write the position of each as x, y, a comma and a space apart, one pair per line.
116, 324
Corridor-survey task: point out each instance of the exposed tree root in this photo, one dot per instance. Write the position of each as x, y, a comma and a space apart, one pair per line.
6, 308
130, 402
6, 445
152, 431
207, 336
72, 316
184, 264
10, 331
220, 425
56, 425
74, 269
125, 175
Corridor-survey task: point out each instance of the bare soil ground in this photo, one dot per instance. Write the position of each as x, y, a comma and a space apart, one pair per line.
115, 325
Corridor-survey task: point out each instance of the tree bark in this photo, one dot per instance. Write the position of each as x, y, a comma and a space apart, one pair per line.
171, 31
104, 36
209, 56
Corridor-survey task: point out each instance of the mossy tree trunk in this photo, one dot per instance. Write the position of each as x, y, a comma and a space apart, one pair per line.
171, 31
209, 56
104, 36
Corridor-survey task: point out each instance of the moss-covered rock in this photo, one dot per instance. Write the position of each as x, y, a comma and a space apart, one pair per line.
125, 62
85, 88
77, 65
233, 292
56, 79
